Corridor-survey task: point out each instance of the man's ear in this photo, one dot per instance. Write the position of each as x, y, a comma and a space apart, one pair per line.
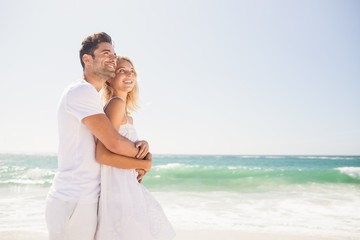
86, 58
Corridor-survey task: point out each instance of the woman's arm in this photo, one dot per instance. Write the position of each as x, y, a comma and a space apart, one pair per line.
115, 111
104, 156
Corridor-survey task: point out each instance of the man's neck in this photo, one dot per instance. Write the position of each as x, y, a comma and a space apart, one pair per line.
94, 80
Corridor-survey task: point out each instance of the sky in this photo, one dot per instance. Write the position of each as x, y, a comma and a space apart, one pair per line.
249, 77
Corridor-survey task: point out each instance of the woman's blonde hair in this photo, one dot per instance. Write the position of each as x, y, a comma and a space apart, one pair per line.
132, 97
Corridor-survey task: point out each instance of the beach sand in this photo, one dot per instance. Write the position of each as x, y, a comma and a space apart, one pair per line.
241, 235
192, 235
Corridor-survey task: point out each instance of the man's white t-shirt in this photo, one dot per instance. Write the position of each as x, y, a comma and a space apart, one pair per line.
78, 177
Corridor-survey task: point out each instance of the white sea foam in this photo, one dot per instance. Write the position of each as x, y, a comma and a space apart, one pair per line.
247, 168
351, 171
19, 175
274, 157
327, 157
249, 156
11, 169
327, 211
175, 165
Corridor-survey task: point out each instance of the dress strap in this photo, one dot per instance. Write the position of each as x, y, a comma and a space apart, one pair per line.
118, 98
126, 118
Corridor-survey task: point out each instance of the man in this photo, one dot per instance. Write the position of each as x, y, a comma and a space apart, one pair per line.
71, 211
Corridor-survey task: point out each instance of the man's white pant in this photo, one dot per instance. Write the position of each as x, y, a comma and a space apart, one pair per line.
69, 220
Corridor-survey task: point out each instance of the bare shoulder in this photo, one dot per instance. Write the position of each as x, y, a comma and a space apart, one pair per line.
114, 105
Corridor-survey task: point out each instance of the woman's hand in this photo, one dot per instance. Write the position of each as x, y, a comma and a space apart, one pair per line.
141, 174
143, 147
148, 162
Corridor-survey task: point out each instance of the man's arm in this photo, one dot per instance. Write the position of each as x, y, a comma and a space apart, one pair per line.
103, 130
104, 156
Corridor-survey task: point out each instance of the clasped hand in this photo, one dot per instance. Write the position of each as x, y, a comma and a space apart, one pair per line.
143, 154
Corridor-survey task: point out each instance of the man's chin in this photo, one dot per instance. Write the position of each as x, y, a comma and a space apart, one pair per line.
105, 75
109, 75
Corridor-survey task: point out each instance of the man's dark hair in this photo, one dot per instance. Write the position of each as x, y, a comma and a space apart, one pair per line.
90, 44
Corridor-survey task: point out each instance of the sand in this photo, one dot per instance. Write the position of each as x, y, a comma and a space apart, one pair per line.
193, 235
240, 235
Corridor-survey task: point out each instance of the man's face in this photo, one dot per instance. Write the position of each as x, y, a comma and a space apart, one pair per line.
104, 61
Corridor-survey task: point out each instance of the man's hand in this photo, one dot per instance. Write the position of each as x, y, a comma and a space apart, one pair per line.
143, 147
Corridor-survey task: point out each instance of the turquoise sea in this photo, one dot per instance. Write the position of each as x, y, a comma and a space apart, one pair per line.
315, 195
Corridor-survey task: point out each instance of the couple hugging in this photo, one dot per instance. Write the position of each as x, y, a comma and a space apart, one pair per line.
97, 191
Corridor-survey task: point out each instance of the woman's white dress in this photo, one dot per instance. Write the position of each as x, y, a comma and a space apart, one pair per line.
127, 210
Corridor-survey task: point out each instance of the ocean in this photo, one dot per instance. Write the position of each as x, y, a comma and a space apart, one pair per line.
314, 195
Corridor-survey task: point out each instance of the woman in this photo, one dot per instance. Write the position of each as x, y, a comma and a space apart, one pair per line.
127, 210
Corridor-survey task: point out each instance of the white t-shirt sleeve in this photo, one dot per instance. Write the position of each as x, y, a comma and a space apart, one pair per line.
84, 101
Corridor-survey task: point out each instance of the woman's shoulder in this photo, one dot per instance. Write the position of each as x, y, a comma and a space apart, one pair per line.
114, 102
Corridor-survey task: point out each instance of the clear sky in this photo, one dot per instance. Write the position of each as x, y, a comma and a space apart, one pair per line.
216, 77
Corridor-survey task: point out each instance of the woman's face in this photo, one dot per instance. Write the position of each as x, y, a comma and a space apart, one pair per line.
125, 78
